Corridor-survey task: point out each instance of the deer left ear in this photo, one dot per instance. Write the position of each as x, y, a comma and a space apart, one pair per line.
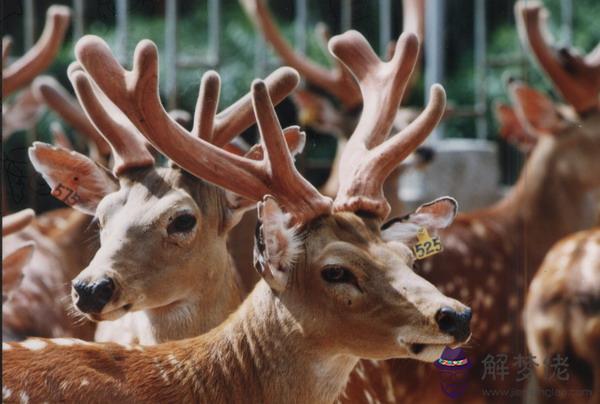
437, 214
276, 245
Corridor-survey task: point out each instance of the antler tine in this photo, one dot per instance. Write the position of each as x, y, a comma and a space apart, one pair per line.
286, 184
337, 81
368, 159
206, 106
136, 94
39, 57
50, 91
381, 84
575, 79
16, 221
127, 143
239, 116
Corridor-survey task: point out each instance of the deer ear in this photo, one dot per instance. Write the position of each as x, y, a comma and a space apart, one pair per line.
512, 130
74, 178
537, 112
12, 267
432, 216
276, 244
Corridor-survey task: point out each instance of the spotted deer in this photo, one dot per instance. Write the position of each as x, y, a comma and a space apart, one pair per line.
562, 315
335, 286
339, 117
501, 247
162, 271
66, 243
14, 261
24, 111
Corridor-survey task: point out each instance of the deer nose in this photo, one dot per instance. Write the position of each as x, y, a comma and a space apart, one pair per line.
92, 297
454, 323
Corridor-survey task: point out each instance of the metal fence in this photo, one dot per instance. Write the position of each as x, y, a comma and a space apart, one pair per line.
435, 26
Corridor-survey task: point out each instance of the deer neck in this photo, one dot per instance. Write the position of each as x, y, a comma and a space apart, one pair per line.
271, 356
546, 203
194, 314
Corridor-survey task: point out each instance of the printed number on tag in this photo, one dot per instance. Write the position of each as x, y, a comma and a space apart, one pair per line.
426, 245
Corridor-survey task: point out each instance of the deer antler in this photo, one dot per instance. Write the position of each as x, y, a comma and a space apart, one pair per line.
17, 221
50, 91
39, 57
136, 94
368, 158
337, 81
127, 143
577, 78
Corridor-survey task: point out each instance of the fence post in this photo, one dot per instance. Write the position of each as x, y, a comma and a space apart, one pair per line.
121, 31
385, 25
480, 69
214, 30
566, 13
171, 53
346, 15
435, 11
78, 17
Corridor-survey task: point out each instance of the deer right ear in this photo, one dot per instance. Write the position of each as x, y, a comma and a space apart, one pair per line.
12, 267
276, 245
74, 178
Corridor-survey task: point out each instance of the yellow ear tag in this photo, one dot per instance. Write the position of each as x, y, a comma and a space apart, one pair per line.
426, 245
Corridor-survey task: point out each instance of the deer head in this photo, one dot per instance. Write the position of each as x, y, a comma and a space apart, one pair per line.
575, 76
574, 145
163, 232
333, 265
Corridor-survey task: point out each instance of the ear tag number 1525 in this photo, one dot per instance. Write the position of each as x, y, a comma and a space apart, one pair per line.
426, 245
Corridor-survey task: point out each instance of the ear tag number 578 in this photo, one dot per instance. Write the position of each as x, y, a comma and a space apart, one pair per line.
426, 245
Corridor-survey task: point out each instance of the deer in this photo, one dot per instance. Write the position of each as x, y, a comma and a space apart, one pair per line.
66, 245
561, 314
171, 227
339, 118
501, 246
335, 284
14, 261
25, 110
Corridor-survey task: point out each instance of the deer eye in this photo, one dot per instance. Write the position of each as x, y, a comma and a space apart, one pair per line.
337, 275
182, 224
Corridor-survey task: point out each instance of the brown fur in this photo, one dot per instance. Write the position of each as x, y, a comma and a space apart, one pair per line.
297, 345
64, 243
562, 313
491, 255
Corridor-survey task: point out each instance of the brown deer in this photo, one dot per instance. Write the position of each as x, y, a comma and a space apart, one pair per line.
66, 243
162, 269
340, 118
335, 287
14, 261
24, 111
503, 245
562, 318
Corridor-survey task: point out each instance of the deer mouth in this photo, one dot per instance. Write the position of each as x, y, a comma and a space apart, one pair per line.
110, 314
426, 352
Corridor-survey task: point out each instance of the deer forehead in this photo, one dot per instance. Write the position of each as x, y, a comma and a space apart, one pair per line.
137, 205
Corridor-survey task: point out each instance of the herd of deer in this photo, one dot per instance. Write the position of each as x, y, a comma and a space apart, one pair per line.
142, 289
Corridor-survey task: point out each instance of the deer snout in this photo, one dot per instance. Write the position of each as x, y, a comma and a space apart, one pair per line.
91, 297
454, 323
